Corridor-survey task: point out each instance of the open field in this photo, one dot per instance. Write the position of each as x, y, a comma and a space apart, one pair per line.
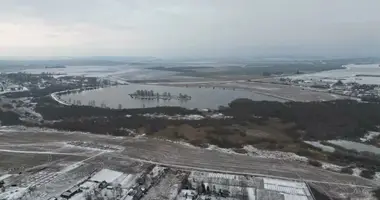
169, 154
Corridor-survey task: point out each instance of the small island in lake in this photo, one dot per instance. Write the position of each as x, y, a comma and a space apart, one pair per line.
150, 94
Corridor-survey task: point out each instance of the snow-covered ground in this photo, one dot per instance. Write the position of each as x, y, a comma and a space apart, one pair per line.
106, 175
347, 74
274, 154
11, 91
331, 167
175, 117
13, 193
369, 136
186, 117
5, 176
319, 145
157, 170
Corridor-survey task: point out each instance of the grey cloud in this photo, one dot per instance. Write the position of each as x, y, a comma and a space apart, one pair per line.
204, 27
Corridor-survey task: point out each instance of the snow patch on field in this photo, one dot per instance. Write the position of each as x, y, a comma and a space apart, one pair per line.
5, 176
157, 170
174, 117
377, 177
331, 167
369, 136
219, 116
186, 117
274, 154
106, 175
213, 147
93, 146
356, 171
13, 193
128, 181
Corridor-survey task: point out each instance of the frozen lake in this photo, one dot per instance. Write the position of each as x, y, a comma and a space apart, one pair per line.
351, 73
201, 97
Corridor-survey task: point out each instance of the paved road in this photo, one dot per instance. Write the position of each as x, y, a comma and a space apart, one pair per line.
186, 157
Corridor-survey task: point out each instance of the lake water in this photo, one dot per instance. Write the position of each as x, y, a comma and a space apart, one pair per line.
319, 145
356, 146
201, 97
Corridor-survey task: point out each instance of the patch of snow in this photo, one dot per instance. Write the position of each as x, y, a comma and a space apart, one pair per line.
13, 193
369, 136
157, 170
173, 191
129, 181
251, 193
94, 146
106, 175
356, 171
213, 147
377, 177
319, 145
295, 197
5, 176
174, 117
88, 185
331, 167
281, 182
274, 154
179, 142
219, 116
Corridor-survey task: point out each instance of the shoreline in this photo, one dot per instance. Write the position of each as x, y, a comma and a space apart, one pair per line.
56, 95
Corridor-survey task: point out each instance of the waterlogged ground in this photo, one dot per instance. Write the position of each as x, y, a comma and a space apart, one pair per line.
200, 97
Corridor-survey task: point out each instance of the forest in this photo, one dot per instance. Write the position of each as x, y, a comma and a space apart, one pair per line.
340, 119
264, 124
316, 120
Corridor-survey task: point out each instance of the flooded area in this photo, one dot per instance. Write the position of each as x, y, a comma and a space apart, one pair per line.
321, 146
356, 146
200, 97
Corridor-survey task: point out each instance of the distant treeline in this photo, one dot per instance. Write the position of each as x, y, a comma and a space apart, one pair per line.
180, 69
9, 118
270, 68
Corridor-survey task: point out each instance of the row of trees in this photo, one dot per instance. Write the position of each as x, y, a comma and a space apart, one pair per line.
148, 93
151, 93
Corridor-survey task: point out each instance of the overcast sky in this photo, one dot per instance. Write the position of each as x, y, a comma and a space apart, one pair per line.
188, 27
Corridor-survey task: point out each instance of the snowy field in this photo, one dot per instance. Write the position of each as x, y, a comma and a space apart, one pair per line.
118, 72
350, 73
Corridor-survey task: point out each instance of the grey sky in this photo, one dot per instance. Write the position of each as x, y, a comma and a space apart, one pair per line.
188, 27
